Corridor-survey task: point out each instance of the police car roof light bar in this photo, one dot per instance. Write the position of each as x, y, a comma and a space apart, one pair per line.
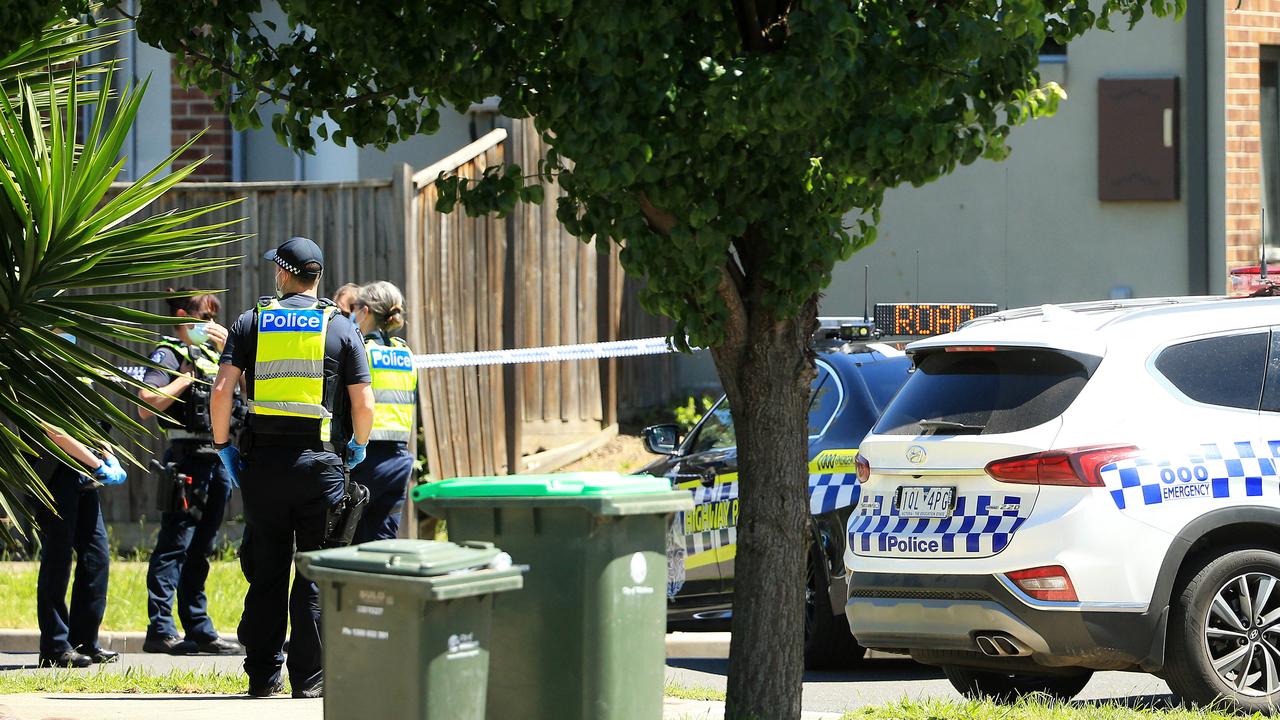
1074, 467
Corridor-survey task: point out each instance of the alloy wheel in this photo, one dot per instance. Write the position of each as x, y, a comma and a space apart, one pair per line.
1242, 633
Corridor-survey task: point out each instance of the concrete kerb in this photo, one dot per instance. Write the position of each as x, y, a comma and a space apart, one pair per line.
673, 709
680, 645
26, 640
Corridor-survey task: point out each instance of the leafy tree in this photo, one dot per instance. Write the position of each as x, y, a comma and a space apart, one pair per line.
64, 234
737, 150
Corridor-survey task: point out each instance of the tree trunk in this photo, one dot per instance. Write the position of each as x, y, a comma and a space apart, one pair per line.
767, 380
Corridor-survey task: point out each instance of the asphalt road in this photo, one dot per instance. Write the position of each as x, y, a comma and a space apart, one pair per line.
888, 680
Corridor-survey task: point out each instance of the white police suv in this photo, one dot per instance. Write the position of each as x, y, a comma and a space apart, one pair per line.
1083, 487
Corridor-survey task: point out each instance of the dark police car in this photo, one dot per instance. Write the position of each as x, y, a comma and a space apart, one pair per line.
854, 382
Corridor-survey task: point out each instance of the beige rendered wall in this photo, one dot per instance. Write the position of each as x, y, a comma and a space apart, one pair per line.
1031, 230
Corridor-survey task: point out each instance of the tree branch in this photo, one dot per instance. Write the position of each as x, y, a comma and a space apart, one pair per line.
736, 325
661, 221
744, 11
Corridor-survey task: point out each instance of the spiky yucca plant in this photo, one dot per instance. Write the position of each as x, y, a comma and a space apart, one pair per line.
65, 235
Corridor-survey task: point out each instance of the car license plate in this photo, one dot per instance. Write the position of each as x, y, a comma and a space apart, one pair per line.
925, 502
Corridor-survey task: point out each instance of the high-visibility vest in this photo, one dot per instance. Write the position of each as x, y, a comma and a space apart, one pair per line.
395, 390
288, 366
205, 358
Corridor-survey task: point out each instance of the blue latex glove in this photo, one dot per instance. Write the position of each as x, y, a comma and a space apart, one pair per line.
232, 461
355, 453
110, 472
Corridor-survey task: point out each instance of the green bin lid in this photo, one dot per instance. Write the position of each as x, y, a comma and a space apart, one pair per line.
422, 558
564, 485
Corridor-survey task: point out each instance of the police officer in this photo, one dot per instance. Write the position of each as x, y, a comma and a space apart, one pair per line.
310, 410
379, 311
69, 637
345, 298
191, 514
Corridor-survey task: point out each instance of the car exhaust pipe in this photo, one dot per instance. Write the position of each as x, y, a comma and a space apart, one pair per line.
1001, 645
986, 646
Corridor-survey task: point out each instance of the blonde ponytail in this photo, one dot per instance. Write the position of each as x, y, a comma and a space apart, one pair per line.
386, 302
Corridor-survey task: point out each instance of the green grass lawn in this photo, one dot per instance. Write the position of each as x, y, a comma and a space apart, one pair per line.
132, 681
1027, 709
126, 596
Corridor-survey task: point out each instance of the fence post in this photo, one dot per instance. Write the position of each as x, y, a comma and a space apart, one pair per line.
608, 316
403, 200
513, 309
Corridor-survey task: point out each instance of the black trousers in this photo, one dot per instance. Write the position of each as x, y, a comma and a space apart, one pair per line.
77, 529
180, 562
287, 492
385, 473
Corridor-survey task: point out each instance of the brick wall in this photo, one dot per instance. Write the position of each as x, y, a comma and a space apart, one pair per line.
1249, 24
192, 111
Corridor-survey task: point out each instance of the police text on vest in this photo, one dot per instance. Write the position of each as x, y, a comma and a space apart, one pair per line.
307, 321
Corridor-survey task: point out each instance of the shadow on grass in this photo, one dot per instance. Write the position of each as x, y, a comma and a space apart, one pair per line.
866, 671
1135, 702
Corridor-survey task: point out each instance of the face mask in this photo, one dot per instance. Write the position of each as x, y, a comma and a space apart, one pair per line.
67, 337
198, 333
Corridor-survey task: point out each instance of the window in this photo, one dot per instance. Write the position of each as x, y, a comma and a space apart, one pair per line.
1053, 51
716, 431
984, 392
824, 399
1226, 371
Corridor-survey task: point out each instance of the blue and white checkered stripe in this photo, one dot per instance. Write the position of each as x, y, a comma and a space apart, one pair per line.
832, 491
1217, 472
980, 525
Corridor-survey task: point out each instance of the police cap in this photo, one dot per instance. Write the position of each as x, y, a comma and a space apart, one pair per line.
295, 254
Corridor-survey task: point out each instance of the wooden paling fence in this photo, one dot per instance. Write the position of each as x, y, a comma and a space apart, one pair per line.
353, 222
482, 283
485, 284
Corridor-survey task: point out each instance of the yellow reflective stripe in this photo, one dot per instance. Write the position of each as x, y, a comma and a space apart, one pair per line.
834, 461
723, 553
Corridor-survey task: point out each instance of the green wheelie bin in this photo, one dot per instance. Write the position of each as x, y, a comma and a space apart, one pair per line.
407, 626
586, 638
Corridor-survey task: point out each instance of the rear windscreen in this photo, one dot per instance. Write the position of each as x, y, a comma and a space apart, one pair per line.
983, 392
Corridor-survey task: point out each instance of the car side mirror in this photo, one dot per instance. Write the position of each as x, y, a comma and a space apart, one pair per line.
661, 439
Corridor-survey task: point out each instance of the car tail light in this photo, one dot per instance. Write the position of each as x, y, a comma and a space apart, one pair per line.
1073, 467
862, 468
1050, 583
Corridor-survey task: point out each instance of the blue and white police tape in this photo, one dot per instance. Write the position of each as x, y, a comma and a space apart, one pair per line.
553, 353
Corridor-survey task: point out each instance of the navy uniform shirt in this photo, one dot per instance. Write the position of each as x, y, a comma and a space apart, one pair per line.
344, 359
165, 357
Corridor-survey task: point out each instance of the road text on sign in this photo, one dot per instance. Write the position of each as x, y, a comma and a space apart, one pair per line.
927, 318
